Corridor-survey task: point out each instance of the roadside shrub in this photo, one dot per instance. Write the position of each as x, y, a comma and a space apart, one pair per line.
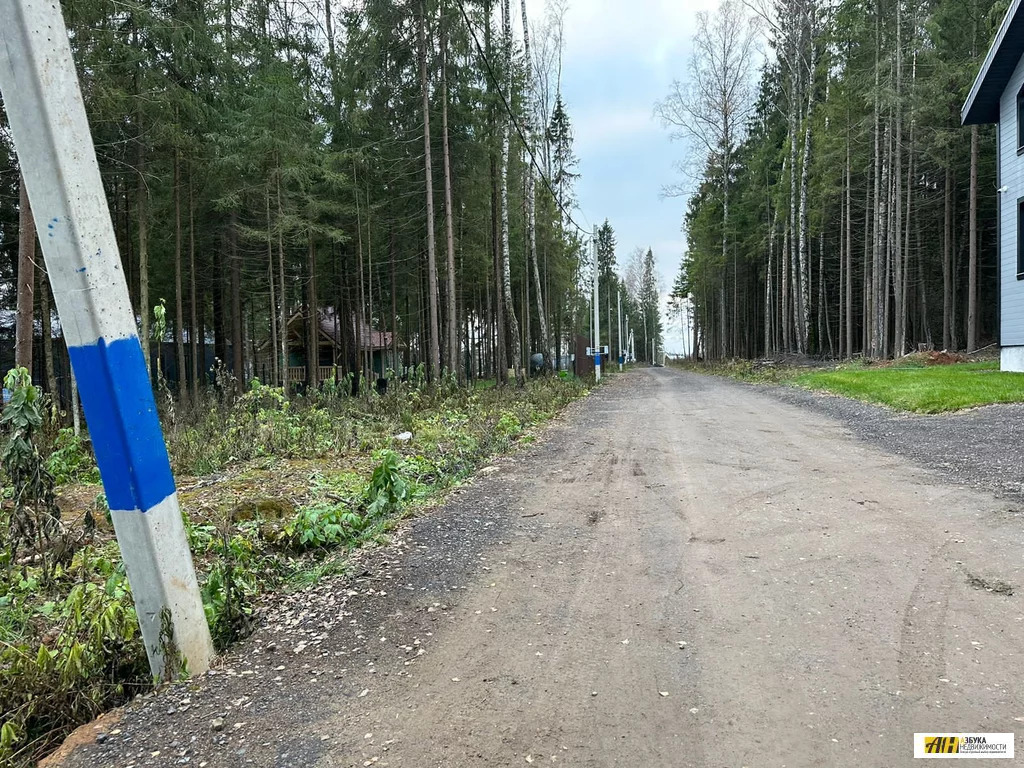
70, 459
508, 425
388, 487
33, 523
64, 661
322, 526
228, 592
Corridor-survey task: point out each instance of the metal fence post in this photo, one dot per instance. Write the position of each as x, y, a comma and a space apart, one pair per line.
55, 150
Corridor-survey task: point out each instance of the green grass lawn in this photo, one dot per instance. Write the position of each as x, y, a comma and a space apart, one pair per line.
932, 389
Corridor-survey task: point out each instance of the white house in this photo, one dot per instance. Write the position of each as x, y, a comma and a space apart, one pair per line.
998, 97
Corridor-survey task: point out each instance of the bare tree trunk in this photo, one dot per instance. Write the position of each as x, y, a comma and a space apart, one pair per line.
453, 334
867, 307
312, 319
527, 331
849, 255
369, 283
722, 347
45, 305
237, 322
359, 320
143, 212
972, 264
283, 317
822, 303
506, 139
958, 316
947, 263
880, 275
179, 304
394, 303
531, 204
434, 360
769, 298
24, 330
923, 288
784, 318
792, 268
904, 312
498, 356
196, 339
899, 307
274, 367
876, 276
911, 169
804, 302
726, 162
892, 211
843, 257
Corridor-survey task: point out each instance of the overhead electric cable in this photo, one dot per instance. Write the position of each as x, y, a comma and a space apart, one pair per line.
515, 121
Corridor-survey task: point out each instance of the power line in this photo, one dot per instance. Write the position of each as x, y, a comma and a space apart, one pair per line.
515, 121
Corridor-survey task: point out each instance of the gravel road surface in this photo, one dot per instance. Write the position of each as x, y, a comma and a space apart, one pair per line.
979, 447
683, 571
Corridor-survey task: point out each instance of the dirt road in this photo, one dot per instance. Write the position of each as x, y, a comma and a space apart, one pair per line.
685, 572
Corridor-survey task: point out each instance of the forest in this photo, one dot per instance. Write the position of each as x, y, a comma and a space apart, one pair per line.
837, 206
313, 191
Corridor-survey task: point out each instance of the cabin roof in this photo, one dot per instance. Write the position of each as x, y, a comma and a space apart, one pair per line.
366, 338
982, 105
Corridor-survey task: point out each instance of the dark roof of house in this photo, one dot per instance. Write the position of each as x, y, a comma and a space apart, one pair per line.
365, 336
982, 104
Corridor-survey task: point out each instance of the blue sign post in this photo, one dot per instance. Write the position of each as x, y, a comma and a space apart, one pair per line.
44, 105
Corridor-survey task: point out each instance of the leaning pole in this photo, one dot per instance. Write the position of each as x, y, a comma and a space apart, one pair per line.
46, 112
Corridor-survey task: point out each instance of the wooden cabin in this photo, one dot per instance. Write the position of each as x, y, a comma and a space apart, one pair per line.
340, 349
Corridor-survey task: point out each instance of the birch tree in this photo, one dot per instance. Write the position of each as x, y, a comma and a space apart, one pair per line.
511, 320
711, 109
530, 107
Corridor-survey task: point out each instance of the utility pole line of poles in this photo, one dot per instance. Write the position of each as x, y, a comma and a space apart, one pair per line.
597, 313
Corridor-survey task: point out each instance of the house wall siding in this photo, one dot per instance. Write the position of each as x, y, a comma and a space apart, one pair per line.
1011, 170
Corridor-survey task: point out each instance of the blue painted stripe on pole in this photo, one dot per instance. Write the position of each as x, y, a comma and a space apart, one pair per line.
123, 423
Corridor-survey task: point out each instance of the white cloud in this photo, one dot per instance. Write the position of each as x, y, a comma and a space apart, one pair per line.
648, 29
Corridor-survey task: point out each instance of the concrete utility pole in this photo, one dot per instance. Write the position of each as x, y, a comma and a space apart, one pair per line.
55, 150
619, 337
597, 313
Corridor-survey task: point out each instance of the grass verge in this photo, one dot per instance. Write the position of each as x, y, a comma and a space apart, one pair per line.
930, 389
914, 383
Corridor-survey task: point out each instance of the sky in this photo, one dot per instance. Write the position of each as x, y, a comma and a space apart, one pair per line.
621, 57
